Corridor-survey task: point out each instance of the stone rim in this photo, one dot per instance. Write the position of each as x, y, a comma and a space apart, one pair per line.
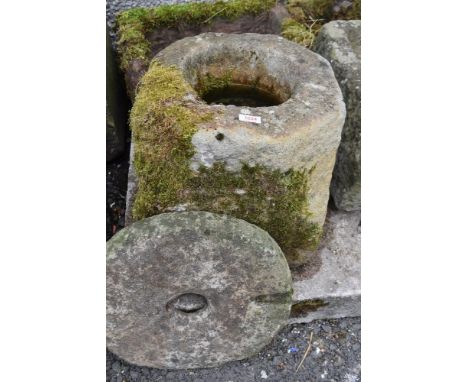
312, 88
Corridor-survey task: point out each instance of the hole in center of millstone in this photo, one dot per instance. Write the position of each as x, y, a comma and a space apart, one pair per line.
188, 303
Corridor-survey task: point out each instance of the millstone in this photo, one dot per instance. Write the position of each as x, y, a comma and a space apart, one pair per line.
194, 289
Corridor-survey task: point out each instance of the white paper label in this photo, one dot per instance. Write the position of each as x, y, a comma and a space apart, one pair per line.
249, 118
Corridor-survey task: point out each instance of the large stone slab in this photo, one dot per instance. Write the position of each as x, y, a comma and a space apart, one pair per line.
330, 285
274, 173
340, 43
194, 289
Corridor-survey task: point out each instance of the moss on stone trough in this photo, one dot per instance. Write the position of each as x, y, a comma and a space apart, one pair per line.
162, 127
134, 24
270, 199
163, 123
210, 82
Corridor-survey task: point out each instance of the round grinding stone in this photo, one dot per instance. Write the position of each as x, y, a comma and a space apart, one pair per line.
194, 289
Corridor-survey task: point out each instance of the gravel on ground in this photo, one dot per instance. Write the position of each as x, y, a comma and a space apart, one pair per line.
334, 356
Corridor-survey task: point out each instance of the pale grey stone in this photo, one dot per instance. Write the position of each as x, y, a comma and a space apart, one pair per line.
332, 281
340, 43
194, 289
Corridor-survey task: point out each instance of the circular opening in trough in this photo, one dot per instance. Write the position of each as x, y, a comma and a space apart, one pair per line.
241, 95
239, 78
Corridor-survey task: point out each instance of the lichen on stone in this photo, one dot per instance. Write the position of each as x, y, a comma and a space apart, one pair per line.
134, 24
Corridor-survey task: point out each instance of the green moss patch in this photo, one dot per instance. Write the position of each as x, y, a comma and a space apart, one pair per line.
270, 199
308, 10
162, 128
301, 309
163, 124
210, 83
134, 24
297, 32
308, 17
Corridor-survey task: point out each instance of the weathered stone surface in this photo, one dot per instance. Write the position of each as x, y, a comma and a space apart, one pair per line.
194, 289
116, 106
340, 43
299, 134
330, 286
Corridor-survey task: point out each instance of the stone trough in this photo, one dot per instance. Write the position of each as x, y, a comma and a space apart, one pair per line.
252, 132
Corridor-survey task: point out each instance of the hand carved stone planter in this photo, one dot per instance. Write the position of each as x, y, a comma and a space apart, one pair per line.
193, 150
194, 289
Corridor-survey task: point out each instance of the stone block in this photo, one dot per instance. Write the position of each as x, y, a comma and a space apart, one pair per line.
330, 285
340, 43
